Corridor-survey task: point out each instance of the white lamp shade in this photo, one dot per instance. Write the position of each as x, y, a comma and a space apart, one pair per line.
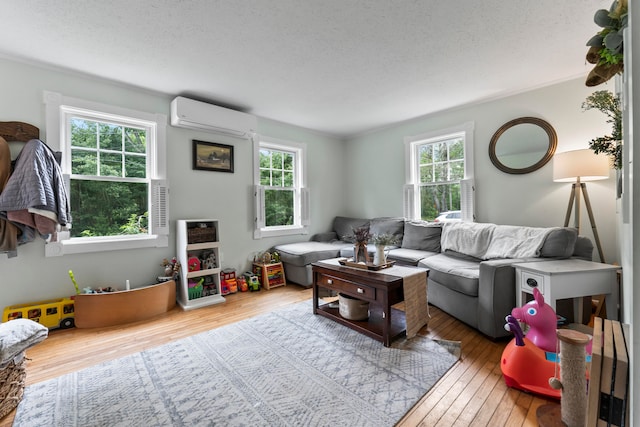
583, 164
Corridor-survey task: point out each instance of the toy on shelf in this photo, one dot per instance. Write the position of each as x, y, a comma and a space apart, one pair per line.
193, 263
208, 260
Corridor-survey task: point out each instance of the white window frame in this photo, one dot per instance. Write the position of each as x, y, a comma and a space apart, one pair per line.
301, 192
58, 109
411, 193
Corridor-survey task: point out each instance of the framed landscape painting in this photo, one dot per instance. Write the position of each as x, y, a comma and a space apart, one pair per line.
211, 156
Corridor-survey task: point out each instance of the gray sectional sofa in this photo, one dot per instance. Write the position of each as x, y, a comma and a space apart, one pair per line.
471, 273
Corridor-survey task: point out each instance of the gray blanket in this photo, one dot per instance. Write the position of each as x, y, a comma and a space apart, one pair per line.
36, 182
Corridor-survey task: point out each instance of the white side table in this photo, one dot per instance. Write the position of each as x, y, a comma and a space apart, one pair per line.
568, 278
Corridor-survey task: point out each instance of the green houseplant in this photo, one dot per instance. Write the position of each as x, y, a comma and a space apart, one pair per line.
611, 145
606, 47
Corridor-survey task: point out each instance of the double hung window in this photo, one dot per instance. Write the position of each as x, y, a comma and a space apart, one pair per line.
440, 174
113, 161
281, 197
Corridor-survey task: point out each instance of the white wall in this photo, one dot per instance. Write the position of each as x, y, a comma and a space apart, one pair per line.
376, 170
363, 177
193, 194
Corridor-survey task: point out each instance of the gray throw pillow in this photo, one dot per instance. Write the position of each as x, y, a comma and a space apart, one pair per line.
343, 226
392, 226
559, 243
422, 235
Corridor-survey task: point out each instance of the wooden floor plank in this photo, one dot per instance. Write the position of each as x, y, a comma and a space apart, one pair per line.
472, 392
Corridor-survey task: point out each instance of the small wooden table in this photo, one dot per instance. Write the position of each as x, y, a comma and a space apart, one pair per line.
380, 289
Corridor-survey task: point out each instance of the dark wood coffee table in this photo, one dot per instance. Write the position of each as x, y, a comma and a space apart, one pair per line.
381, 290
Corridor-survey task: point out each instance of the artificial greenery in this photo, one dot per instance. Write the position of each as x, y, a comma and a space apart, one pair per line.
384, 239
611, 145
606, 47
609, 39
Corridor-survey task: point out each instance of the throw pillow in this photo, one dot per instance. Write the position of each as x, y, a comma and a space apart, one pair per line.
392, 226
422, 236
560, 243
343, 226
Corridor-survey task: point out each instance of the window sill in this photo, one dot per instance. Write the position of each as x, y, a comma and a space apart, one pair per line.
80, 245
280, 231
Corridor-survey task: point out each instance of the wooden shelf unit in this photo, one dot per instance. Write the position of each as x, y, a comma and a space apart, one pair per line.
199, 239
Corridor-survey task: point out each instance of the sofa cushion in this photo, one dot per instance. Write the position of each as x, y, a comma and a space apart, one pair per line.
457, 274
392, 226
343, 226
421, 235
304, 253
408, 256
560, 243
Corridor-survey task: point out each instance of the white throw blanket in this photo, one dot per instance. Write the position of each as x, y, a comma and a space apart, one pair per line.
469, 238
511, 241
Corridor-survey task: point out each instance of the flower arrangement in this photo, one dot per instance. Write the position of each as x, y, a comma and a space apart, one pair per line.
609, 104
361, 234
384, 239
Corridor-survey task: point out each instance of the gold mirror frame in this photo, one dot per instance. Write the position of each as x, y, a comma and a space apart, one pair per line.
551, 149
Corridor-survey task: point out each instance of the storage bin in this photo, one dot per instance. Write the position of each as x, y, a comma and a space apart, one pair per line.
201, 234
195, 292
352, 308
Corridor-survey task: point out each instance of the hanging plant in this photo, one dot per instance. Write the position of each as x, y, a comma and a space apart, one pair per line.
606, 47
611, 145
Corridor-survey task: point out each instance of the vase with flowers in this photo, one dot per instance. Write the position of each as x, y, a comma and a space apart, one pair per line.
381, 241
361, 237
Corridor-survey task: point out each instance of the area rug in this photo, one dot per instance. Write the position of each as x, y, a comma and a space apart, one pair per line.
285, 368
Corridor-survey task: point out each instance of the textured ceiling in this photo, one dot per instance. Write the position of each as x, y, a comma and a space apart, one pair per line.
336, 66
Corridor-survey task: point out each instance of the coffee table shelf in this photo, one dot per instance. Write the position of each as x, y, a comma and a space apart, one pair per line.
372, 327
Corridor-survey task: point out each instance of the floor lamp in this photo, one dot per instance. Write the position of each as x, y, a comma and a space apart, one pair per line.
579, 166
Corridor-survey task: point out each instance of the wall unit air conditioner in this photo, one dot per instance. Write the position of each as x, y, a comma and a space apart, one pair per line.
191, 114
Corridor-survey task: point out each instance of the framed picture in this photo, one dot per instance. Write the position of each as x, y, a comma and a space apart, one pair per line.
210, 156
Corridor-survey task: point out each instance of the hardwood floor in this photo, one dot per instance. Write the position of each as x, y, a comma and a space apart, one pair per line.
472, 393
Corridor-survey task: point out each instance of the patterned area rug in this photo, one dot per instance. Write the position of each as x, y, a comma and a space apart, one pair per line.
286, 368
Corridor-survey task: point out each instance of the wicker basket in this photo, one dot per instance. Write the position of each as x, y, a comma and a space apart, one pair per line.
12, 379
201, 234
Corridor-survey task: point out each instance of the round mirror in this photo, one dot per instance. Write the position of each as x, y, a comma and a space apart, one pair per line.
523, 145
